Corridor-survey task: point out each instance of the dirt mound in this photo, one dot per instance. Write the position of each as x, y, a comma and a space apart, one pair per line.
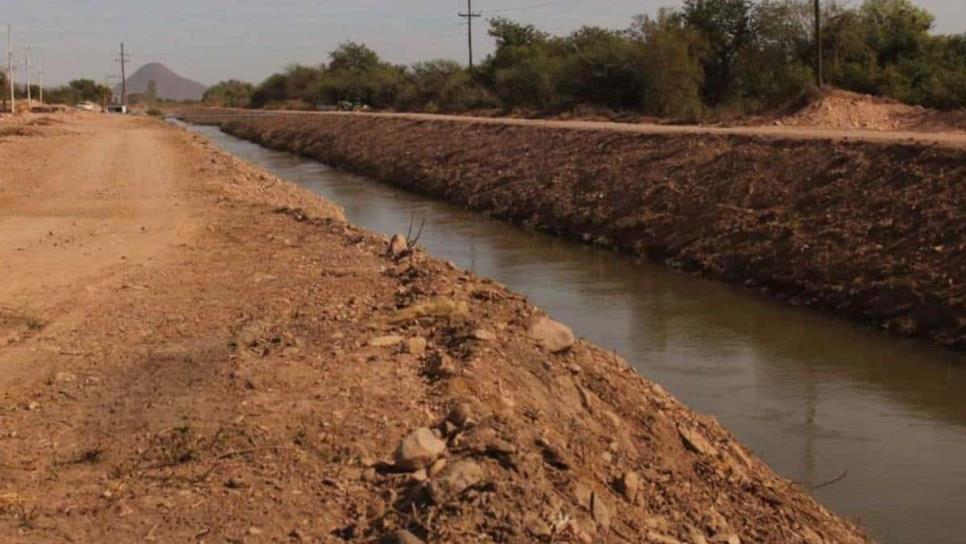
844, 109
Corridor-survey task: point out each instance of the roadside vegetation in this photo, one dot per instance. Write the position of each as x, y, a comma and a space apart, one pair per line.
78, 90
711, 58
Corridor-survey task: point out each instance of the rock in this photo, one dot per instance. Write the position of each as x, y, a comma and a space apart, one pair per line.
437, 467
435, 307
386, 341
695, 536
658, 523
555, 337
416, 346
629, 484
600, 511
583, 493
460, 414
402, 536
65, 377
397, 246
484, 335
659, 538
500, 447
419, 450
696, 442
441, 366
553, 454
454, 479
418, 477
235, 483
811, 537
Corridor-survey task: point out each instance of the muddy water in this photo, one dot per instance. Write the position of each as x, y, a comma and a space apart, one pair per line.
815, 397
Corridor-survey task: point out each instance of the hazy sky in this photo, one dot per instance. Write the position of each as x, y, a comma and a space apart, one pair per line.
211, 40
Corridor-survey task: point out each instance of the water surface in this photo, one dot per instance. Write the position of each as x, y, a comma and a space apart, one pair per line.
814, 396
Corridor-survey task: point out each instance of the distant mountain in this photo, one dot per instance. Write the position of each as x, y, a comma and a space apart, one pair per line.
170, 85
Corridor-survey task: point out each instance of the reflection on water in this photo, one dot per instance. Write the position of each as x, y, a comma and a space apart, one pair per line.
814, 396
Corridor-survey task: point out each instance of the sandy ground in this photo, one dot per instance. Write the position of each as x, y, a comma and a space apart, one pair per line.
195, 351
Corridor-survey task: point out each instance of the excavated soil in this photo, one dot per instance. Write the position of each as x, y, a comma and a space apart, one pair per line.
196, 351
872, 230
847, 110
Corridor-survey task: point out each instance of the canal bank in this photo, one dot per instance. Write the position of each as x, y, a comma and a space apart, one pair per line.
815, 397
869, 230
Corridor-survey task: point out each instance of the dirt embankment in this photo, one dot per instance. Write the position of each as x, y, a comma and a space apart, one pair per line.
873, 231
220, 357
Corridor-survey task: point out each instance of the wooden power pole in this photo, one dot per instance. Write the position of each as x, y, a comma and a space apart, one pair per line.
26, 67
123, 60
13, 98
469, 16
819, 75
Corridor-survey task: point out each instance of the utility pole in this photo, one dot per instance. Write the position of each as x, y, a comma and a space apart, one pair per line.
26, 67
13, 98
40, 76
819, 75
469, 16
123, 59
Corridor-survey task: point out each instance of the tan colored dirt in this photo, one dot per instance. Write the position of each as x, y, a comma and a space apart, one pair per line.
837, 109
195, 351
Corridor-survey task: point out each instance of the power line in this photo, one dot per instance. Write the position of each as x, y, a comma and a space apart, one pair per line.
532, 6
469, 16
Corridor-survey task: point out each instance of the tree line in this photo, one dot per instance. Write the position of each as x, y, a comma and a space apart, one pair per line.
708, 58
78, 90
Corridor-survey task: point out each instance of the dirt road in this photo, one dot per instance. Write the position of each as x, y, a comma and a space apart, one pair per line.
195, 351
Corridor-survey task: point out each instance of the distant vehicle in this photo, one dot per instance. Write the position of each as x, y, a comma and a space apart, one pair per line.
87, 106
116, 108
345, 105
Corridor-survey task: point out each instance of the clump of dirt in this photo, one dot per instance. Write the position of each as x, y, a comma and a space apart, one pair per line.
848, 110
19, 131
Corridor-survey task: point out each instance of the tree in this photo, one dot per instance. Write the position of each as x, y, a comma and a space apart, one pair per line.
671, 63
602, 67
895, 28
726, 27
232, 93
152, 90
509, 33
273, 89
353, 57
